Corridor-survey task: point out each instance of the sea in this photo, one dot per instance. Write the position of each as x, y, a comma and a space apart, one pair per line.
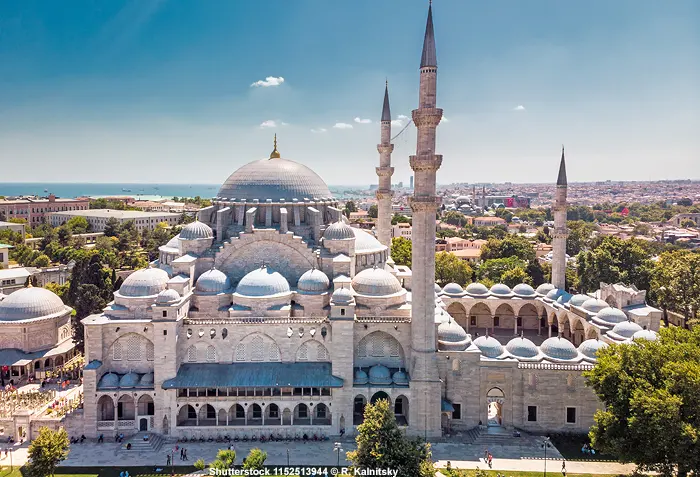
138, 191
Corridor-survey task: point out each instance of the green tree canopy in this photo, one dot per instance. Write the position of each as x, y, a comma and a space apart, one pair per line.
615, 260
382, 445
401, 251
579, 239
373, 211
78, 225
494, 269
111, 227
255, 460
225, 459
46, 451
396, 218
450, 269
651, 393
509, 246
676, 282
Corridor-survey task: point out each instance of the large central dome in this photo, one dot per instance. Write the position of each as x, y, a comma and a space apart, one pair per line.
274, 179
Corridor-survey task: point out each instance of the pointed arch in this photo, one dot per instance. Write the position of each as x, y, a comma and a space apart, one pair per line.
312, 350
257, 346
379, 347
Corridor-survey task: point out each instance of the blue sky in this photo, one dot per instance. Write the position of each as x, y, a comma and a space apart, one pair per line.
161, 90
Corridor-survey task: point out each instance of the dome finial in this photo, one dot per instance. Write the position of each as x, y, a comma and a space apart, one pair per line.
275, 153
29, 283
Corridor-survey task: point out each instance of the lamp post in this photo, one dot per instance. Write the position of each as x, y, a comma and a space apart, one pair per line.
287, 455
338, 449
545, 444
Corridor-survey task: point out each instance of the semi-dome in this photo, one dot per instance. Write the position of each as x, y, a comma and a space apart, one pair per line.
523, 290
477, 290
129, 380
501, 290
521, 347
594, 305
489, 346
342, 296
452, 289
213, 281
559, 348
144, 282
379, 374
173, 245
611, 315
544, 288
626, 329
589, 348
645, 334
263, 281
313, 281
167, 296
276, 179
338, 231
400, 377
360, 377
109, 380
146, 381
578, 300
366, 242
31, 302
376, 282
195, 231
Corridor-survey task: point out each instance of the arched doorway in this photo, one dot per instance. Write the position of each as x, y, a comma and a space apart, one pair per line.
105, 409
495, 399
125, 408
401, 410
358, 410
143, 424
146, 406
166, 426
380, 395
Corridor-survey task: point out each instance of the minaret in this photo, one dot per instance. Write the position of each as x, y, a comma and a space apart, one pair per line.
560, 231
384, 172
425, 408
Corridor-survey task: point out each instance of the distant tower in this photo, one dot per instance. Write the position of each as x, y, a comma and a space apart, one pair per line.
411, 182
560, 231
425, 383
483, 197
384, 172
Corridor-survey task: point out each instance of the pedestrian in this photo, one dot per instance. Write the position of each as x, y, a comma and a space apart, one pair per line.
182, 454
167, 461
486, 455
121, 474
563, 468
490, 461
185, 454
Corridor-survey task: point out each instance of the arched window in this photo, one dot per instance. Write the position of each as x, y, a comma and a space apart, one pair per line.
377, 345
240, 352
274, 353
321, 353
257, 349
149, 351
362, 349
192, 354
211, 354
303, 353
133, 348
117, 351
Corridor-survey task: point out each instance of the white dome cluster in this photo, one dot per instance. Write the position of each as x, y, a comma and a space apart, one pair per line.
262, 282
376, 282
196, 231
31, 303
212, 282
144, 283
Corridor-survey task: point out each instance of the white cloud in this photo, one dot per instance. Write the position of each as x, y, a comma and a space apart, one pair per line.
401, 117
319, 130
362, 121
282, 123
342, 126
397, 122
270, 123
519, 107
269, 81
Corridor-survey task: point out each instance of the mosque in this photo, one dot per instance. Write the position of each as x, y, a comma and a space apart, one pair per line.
270, 314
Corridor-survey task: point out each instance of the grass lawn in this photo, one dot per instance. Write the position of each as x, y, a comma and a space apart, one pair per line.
104, 471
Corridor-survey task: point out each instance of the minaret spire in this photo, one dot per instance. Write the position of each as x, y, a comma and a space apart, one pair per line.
429, 56
561, 232
561, 179
384, 173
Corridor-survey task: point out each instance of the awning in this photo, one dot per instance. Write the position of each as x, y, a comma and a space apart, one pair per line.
447, 406
16, 357
253, 375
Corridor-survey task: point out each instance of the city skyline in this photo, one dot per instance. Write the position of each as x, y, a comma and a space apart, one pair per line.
155, 88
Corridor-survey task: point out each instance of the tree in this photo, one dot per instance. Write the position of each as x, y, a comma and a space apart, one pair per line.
349, 207
373, 211
382, 445
111, 227
225, 459
78, 225
255, 459
651, 393
398, 218
615, 260
401, 251
494, 269
509, 246
579, 236
42, 261
688, 223
450, 269
676, 282
515, 276
64, 235
46, 451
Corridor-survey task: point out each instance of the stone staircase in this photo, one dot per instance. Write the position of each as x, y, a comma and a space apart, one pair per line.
489, 437
153, 444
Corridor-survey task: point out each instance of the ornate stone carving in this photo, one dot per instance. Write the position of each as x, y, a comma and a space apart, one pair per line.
385, 148
426, 163
419, 204
427, 117
384, 194
385, 171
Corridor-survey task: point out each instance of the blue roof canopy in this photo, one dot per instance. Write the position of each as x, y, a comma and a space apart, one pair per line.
447, 406
253, 375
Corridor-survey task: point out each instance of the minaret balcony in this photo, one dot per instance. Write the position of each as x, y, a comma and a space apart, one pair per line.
385, 171
426, 163
427, 117
385, 148
384, 194
424, 203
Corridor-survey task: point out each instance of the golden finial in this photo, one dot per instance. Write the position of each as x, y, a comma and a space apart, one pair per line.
275, 153
29, 284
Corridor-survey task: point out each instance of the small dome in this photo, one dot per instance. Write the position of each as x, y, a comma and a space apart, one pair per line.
109, 380
338, 231
578, 300
477, 289
130, 380
342, 296
452, 289
500, 289
167, 296
626, 329
146, 381
437, 288
263, 281
441, 316
366, 242
645, 335
213, 281
554, 294
31, 302
544, 288
521, 347
564, 298
594, 305
523, 290
489, 346
451, 332
174, 242
375, 282
196, 230
559, 348
589, 348
144, 282
360, 377
611, 315
313, 280
379, 374
400, 378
